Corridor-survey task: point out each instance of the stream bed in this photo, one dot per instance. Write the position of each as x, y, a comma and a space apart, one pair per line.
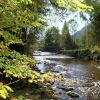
83, 77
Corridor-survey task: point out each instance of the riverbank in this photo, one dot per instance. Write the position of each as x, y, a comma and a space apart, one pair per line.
19, 73
86, 54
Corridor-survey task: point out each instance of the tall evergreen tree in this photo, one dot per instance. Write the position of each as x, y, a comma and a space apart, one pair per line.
67, 42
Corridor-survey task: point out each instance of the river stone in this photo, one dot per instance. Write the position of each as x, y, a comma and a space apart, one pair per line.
91, 85
45, 62
56, 71
39, 62
48, 84
55, 97
72, 94
67, 88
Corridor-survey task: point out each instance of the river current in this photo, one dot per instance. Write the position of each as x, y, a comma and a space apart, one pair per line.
83, 75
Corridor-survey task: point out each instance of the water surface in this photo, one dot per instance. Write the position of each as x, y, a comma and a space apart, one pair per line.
83, 71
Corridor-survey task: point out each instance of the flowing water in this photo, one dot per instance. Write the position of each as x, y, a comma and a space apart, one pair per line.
83, 75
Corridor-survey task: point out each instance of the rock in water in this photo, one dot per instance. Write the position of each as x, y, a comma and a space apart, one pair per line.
91, 84
73, 94
67, 88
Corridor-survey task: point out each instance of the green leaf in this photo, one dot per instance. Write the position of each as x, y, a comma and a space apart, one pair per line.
8, 88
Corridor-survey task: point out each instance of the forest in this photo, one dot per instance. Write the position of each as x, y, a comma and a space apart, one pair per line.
24, 30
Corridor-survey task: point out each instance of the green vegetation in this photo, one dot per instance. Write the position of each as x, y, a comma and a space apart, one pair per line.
91, 38
67, 42
52, 40
77, 5
15, 19
20, 24
55, 42
90, 41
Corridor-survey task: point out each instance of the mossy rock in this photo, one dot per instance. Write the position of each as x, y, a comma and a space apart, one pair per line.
45, 92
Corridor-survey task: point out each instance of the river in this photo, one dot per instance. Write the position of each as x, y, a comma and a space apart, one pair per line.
83, 75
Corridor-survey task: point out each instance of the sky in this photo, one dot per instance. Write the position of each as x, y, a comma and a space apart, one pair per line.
57, 19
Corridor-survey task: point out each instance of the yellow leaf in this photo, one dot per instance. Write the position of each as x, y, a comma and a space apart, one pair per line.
30, 81
1, 84
15, 75
3, 96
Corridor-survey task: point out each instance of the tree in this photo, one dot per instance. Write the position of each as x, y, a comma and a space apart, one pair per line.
16, 16
52, 40
67, 42
33, 39
95, 22
88, 38
84, 40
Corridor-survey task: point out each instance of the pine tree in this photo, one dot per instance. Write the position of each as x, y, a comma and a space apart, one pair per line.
67, 42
